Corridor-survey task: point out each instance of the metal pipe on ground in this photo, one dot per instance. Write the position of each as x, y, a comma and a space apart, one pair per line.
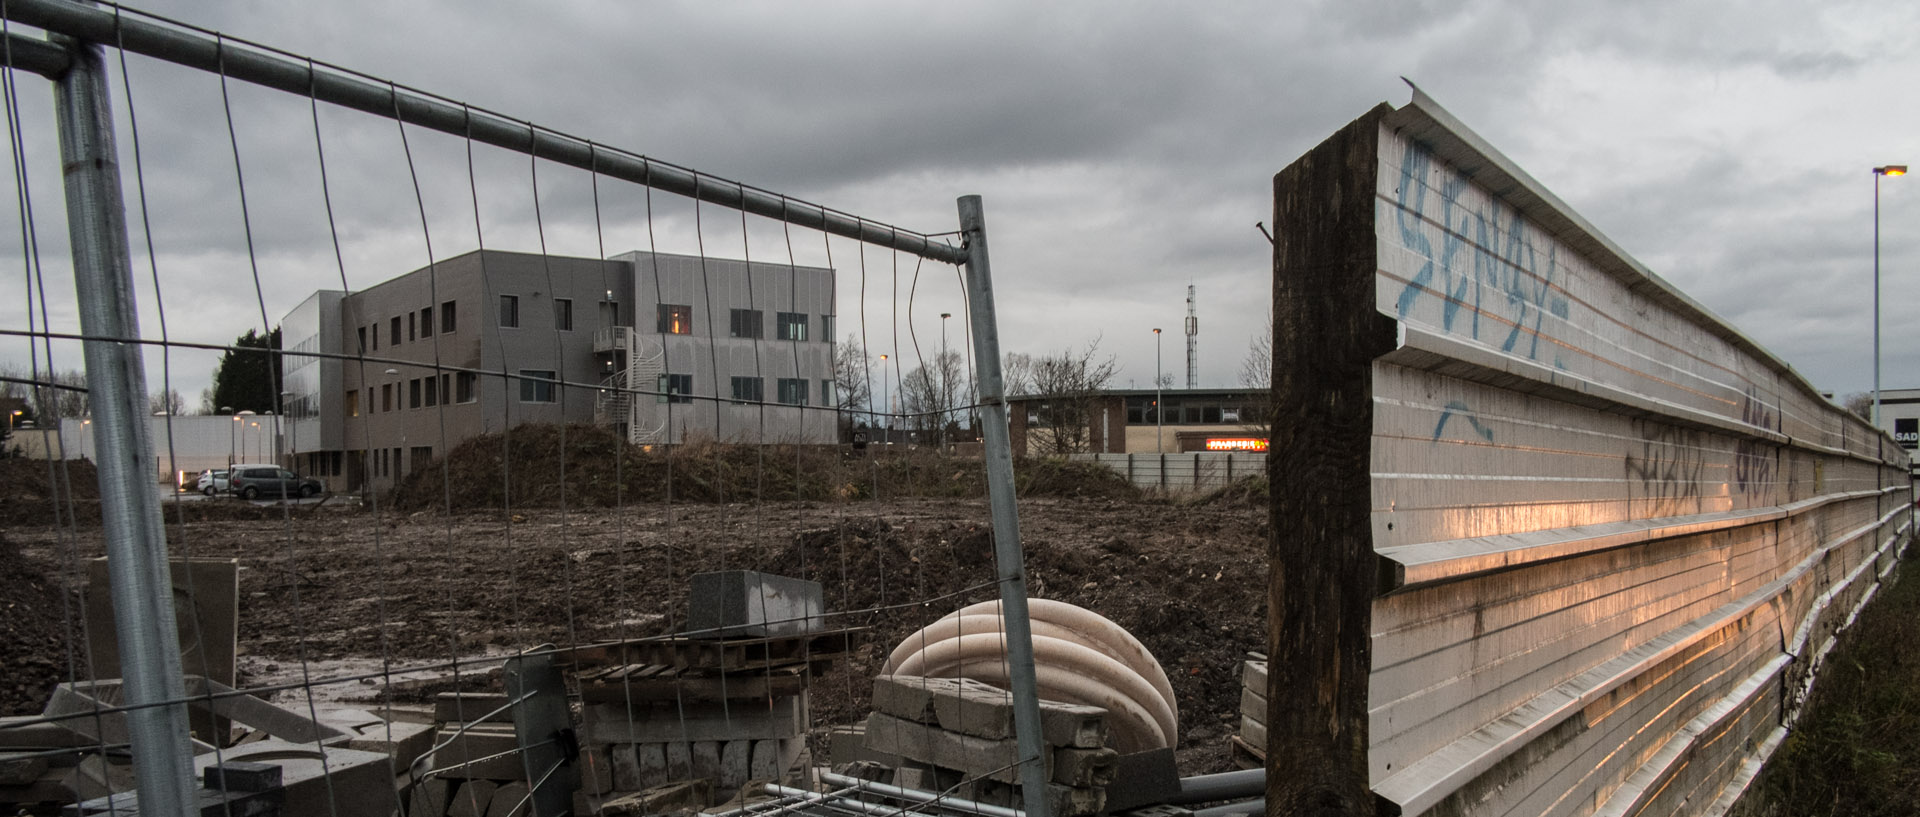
1231, 809
1209, 788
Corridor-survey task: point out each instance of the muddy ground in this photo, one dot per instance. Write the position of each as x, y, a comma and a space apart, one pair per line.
340, 585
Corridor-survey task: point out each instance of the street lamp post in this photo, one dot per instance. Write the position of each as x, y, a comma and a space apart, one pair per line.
1159, 401
1888, 170
886, 398
946, 386
231, 436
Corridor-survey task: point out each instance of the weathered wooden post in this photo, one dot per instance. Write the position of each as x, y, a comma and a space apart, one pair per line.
1326, 335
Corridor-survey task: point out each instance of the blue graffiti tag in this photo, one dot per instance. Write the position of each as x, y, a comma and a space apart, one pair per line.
1530, 298
1464, 411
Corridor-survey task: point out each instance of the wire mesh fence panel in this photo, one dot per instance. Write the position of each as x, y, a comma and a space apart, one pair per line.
532, 473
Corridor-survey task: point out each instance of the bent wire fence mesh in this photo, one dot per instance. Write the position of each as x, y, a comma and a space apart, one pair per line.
1572, 544
583, 411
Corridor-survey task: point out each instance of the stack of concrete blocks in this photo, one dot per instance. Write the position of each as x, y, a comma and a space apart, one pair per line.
701, 731
53, 758
1250, 746
479, 772
950, 732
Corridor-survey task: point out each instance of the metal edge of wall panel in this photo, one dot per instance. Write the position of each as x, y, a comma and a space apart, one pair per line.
1426, 121
1431, 780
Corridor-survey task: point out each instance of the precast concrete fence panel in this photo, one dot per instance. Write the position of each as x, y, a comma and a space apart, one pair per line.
1606, 537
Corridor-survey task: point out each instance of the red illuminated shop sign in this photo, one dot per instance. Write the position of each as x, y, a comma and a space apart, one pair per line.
1236, 444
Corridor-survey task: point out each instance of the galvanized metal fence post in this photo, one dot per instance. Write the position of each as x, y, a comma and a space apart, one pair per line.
130, 506
1006, 516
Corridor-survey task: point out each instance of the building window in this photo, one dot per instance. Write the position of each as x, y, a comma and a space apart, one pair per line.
412, 327
413, 393
827, 397
448, 322
376, 335
509, 310
433, 391
386, 397
792, 325
446, 389
793, 390
463, 387
536, 386
826, 327
426, 322
744, 323
674, 388
676, 319
563, 314
353, 402
363, 340
393, 331
749, 390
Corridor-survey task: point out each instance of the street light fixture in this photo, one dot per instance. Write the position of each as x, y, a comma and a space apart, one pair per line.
1159, 407
1888, 170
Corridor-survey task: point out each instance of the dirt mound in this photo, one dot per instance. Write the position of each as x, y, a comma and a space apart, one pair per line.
548, 466
33, 635
30, 495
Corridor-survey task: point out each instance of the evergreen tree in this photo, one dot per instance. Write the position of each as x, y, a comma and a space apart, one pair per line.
248, 380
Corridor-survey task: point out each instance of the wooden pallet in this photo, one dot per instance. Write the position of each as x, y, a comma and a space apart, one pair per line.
722, 655
659, 682
1246, 755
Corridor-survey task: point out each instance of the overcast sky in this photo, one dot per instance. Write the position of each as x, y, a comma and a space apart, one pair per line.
1123, 150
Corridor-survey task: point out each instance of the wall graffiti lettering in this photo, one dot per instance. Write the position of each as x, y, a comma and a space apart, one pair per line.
1756, 462
1508, 263
1466, 412
1668, 469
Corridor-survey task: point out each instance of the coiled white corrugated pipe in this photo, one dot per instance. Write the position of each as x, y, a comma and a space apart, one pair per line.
1080, 657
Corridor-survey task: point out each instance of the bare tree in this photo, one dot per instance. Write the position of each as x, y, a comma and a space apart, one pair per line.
1068, 386
1860, 403
61, 394
1016, 373
852, 386
931, 391
1256, 371
169, 403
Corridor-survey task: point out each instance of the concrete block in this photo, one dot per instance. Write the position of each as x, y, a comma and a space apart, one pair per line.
596, 769
1084, 767
20, 771
734, 756
429, 798
974, 708
313, 779
749, 603
472, 799
1253, 675
483, 751
679, 761
975, 756
706, 759
603, 724
511, 800
848, 744
241, 776
370, 733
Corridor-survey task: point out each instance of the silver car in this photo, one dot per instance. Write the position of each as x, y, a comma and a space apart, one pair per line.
213, 481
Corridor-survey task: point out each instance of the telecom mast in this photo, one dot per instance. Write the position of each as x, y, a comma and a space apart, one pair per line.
1193, 340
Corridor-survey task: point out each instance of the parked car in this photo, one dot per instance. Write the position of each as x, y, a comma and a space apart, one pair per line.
251, 482
213, 481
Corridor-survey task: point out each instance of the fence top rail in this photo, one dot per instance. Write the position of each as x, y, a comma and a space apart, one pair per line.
1425, 121
154, 36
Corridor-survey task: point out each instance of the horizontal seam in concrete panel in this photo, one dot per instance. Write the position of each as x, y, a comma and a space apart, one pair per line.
1426, 121
1629, 796
1421, 786
1428, 562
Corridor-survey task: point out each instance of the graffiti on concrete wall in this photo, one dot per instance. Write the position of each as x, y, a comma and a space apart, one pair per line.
1501, 278
1756, 462
1667, 469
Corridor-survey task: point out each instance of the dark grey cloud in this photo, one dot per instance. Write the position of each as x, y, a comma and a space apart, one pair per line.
1124, 149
